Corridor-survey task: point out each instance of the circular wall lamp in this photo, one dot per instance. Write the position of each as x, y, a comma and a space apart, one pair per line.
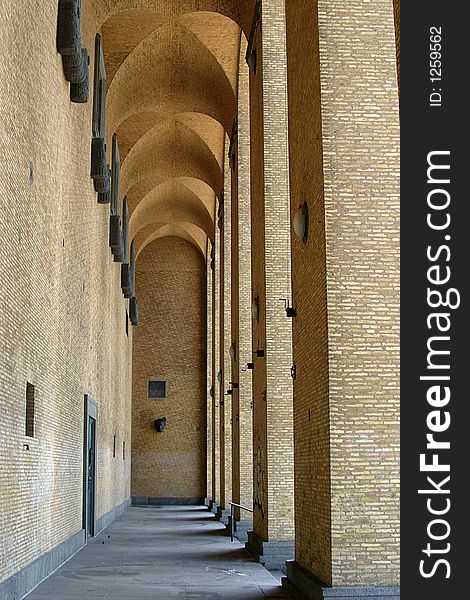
233, 351
255, 308
301, 222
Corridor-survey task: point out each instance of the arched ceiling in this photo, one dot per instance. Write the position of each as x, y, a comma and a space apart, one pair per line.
155, 231
172, 71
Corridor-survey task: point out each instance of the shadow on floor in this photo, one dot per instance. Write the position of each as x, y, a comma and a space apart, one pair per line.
161, 553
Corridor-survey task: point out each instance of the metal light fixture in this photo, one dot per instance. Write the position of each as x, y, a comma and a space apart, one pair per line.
233, 351
219, 376
160, 424
301, 222
255, 308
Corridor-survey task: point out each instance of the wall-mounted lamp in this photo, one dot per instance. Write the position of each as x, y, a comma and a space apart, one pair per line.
233, 351
211, 392
259, 353
219, 376
255, 308
301, 222
160, 424
250, 366
290, 310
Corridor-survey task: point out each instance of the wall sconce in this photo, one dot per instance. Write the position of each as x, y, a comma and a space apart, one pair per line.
255, 308
301, 222
290, 310
160, 424
219, 376
211, 391
259, 353
233, 351
250, 366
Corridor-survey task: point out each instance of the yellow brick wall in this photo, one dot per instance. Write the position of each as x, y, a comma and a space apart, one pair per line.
221, 370
62, 313
260, 491
243, 249
209, 376
346, 285
234, 330
272, 383
226, 334
310, 341
170, 345
216, 362
361, 174
396, 13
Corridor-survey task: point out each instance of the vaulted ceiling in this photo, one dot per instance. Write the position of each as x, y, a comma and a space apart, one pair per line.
172, 71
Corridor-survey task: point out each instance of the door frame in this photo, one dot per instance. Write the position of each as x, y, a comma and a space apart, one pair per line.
90, 410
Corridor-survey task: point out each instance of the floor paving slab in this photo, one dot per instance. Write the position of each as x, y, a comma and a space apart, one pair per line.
162, 553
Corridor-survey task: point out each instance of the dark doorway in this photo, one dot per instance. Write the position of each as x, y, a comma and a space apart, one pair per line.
89, 466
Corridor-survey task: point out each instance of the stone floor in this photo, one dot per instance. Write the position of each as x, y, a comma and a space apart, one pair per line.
161, 553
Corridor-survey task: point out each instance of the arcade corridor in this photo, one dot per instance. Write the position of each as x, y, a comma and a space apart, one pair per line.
199, 299
161, 553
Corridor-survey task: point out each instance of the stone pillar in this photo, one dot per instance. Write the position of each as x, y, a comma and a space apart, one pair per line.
273, 521
344, 169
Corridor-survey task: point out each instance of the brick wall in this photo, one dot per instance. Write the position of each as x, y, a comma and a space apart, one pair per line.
243, 255
170, 345
346, 286
226, 333
209, 376
272, 383
310, 338
62, 312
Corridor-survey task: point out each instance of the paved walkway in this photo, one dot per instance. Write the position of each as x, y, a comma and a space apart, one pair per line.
161, 553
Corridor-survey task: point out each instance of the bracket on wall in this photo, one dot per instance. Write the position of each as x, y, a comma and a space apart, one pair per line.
250, 56
290, 310
233, 139
220, 210
134, 311
75, 59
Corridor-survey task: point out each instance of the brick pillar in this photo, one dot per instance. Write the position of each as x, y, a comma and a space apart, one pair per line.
209, 417
225, 337
215, 370
242, 437
235, 336
344, 166
273, 521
